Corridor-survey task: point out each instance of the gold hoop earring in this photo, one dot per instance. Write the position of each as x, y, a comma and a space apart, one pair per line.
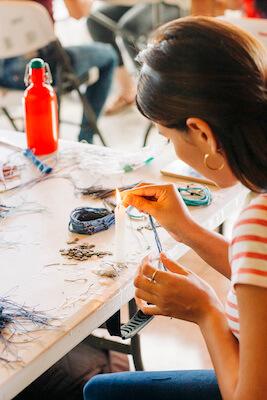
206, 157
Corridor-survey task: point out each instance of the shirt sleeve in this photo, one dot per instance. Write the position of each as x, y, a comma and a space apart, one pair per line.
248, 252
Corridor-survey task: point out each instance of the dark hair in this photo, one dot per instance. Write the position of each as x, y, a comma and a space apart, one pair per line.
261, 5
205, 68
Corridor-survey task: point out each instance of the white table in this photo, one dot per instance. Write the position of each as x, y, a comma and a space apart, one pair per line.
82, 307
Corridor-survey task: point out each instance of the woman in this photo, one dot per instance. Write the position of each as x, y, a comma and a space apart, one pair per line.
137, 20
203, 82
83, 58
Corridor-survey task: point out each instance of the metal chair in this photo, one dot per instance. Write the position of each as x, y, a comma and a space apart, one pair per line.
8, 99
26, 27
132, 347
126, 34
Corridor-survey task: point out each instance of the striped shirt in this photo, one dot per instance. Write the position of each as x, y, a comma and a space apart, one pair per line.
248, 255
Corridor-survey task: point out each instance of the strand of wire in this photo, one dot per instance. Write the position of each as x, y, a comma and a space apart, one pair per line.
195, 195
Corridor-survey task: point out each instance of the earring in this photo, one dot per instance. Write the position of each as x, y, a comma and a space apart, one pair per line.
206, 157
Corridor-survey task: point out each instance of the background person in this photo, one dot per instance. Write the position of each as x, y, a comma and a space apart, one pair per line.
138, 20
82, 58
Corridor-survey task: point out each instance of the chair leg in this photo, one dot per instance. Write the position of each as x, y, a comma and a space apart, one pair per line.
133, 349
136, 353
59, 93
89, 112
135, 341
149, 128
9, 117
90, 115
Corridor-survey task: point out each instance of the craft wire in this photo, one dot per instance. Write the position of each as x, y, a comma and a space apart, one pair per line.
5, 244
89, 220
34, 181
157, 240
109, 205
99, 192
134, 214
139, 232
106, 162
20, 209
17, 315
195, 195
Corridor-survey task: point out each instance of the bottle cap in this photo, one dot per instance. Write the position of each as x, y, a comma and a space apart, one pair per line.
37, 63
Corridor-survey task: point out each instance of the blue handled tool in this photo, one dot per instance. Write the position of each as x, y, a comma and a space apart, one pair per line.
45, 169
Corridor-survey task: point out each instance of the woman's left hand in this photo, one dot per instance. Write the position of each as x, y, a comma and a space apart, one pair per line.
177, 293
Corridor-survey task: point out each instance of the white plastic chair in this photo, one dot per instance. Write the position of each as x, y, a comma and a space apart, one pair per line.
255, 26
24, 30
26, 27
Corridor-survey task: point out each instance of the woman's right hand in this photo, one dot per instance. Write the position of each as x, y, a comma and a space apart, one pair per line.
165, 204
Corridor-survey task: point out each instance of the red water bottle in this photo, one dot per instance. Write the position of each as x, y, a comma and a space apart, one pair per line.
40, 109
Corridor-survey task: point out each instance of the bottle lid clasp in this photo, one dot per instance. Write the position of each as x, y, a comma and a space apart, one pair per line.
48, 75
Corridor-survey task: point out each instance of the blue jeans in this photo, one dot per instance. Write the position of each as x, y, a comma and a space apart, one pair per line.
167, 385
83, 57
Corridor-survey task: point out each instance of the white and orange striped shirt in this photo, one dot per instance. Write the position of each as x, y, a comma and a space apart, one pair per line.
248, 255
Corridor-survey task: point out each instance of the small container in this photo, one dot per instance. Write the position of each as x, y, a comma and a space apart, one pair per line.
40, 109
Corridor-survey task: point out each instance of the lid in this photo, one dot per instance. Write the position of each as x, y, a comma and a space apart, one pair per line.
37, 63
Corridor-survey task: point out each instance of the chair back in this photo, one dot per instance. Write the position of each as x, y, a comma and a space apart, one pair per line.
255, 26
26, 26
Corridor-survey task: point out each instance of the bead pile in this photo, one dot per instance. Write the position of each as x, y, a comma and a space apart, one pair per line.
83, 252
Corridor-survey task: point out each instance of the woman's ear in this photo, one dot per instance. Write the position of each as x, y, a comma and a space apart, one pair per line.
201, 135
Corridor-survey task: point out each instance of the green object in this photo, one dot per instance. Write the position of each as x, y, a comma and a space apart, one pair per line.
127, 168
37, 63
133, 213
132, 167
149, 160
195, 195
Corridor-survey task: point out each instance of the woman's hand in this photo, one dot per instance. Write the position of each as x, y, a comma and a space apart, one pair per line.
178, 293
165, 204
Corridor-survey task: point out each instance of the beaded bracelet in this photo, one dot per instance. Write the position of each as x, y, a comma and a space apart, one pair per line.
89, 220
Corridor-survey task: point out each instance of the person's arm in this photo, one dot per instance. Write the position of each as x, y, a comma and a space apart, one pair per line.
202, 7
179, 293
208, 7
235, 4
211, 247
241, 370
165, 204
78, 8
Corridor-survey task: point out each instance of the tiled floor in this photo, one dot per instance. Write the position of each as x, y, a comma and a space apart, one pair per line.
166, 344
